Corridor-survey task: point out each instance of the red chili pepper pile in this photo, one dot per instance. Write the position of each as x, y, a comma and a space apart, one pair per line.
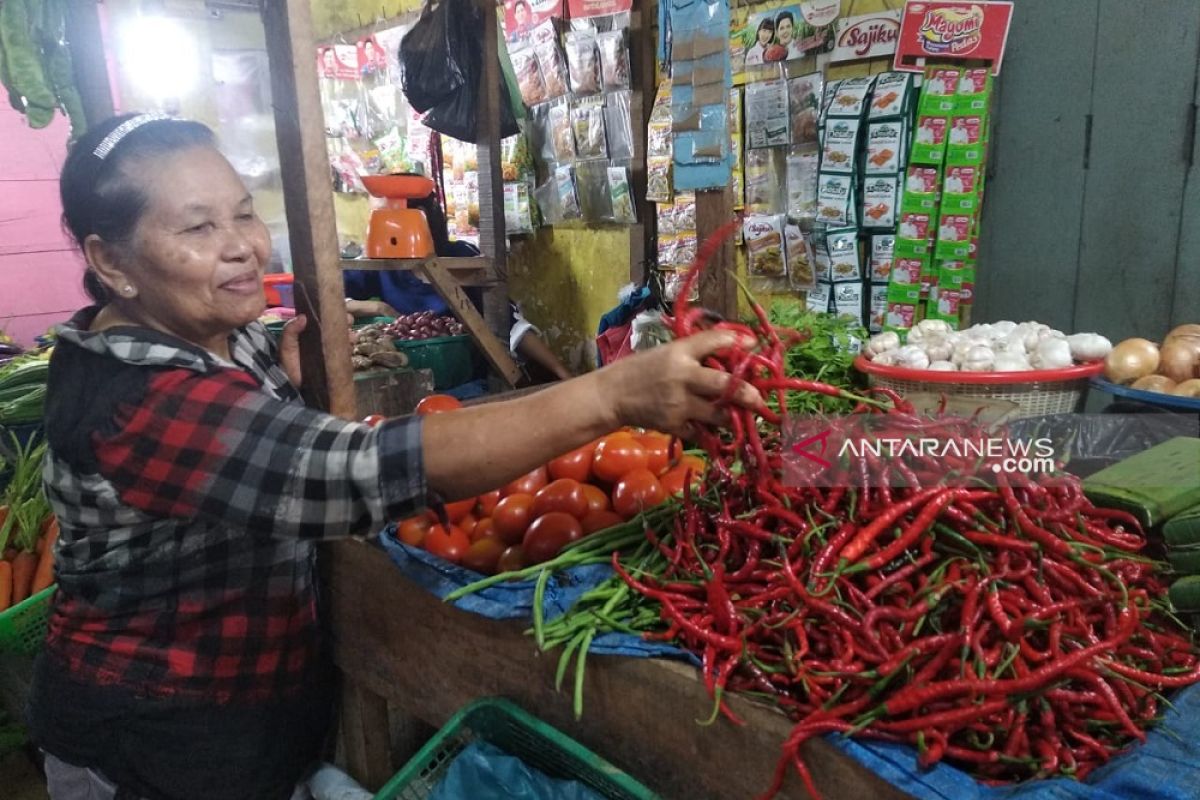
1013, 630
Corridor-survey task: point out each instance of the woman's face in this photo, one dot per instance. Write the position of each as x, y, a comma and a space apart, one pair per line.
199, 250
783, 31
764, 35
521, 13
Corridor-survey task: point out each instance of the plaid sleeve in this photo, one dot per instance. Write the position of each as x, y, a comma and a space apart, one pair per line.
215, 446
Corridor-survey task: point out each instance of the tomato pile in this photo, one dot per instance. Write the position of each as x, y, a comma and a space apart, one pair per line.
529, 521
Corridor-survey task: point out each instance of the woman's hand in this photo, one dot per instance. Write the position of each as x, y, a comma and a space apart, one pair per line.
668, 387
289, 349
369, 308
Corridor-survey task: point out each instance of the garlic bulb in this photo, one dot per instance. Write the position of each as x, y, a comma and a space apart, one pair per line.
912, 357
1089, 346
1011, 361
882, 342
978, 359
942, 366
1051, 353
939, 348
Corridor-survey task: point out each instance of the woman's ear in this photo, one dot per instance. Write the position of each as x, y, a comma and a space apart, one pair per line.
101, 257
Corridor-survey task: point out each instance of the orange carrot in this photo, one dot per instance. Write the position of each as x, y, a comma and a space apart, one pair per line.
23, 567
5, 585
44, 575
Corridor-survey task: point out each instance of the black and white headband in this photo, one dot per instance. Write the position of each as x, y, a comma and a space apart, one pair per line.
121, 131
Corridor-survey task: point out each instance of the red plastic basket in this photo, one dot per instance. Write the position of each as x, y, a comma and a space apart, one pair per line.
1036, 392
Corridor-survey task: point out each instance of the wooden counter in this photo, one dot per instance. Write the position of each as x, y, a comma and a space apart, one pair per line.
410, 658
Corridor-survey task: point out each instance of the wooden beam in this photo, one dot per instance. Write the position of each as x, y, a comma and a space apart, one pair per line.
366, 735
495, 351
718, 289
308, 202
85, 38
641, 101
491, 200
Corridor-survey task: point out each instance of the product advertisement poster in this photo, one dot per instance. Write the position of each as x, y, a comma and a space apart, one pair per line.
776, 32
948, 30
866, 36
522, 16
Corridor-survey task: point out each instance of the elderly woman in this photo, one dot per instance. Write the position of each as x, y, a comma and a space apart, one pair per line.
184, 658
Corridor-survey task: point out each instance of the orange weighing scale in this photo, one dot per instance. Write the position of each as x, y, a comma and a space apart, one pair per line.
401, 228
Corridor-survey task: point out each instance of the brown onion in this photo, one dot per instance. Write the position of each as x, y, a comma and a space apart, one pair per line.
1183, 330
1130, 360
1154, 383
1179, 357
1188, 388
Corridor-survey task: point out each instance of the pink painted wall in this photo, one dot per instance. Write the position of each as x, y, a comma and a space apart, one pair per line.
40, 269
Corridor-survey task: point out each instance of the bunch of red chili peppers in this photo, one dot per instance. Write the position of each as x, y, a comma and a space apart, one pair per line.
1011, 629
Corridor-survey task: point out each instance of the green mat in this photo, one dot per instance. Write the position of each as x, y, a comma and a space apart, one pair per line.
1183, 529
1153, 485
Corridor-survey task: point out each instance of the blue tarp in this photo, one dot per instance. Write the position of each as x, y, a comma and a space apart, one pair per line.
1166, 767
484, 772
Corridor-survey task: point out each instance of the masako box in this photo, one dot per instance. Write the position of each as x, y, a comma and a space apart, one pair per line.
915, 226
921, 184
954, 236
939, 89
908, 271
883, 254
966, 139
902, 303
974, 91
961, 189
929, 140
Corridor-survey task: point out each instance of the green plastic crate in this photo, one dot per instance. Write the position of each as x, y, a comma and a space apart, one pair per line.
452, 359
23, 627
504, 725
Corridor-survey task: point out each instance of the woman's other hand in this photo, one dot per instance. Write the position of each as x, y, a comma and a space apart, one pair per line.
289, 349
668, 387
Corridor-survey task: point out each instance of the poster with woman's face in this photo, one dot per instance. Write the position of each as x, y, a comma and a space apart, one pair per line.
522, 16
778, 34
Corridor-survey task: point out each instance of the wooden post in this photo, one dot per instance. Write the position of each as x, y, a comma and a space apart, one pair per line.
641, 101
308, 201
718, 289
491, 191
86, 41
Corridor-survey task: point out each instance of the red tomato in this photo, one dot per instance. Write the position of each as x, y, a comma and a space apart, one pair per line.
529, 483
599, 520
695, 463
437, 403
467, 524
616, 455
487, 504
637, 491
512, 516
459, 509
449, 544
373, 419
672, 480
484, 529
511, 560
548, 535
483, 555
597, 498
562, 495
412, 530
659, 452
576, 465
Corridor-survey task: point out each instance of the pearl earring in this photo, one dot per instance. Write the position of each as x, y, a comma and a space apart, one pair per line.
128, 289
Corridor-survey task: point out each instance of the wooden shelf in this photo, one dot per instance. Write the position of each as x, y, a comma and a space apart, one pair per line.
475, 271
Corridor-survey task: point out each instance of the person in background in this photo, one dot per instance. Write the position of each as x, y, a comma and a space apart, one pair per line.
785, 35
185, 657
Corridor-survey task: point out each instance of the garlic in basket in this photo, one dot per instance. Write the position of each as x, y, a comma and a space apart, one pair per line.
1051, 353
912, 357
881, 343
1089, 347
979, 358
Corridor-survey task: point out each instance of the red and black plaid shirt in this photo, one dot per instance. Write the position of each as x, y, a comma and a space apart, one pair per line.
190, 493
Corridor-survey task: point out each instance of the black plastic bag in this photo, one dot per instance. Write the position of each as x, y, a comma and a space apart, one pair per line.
433, 57
454, 113
1090, 442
